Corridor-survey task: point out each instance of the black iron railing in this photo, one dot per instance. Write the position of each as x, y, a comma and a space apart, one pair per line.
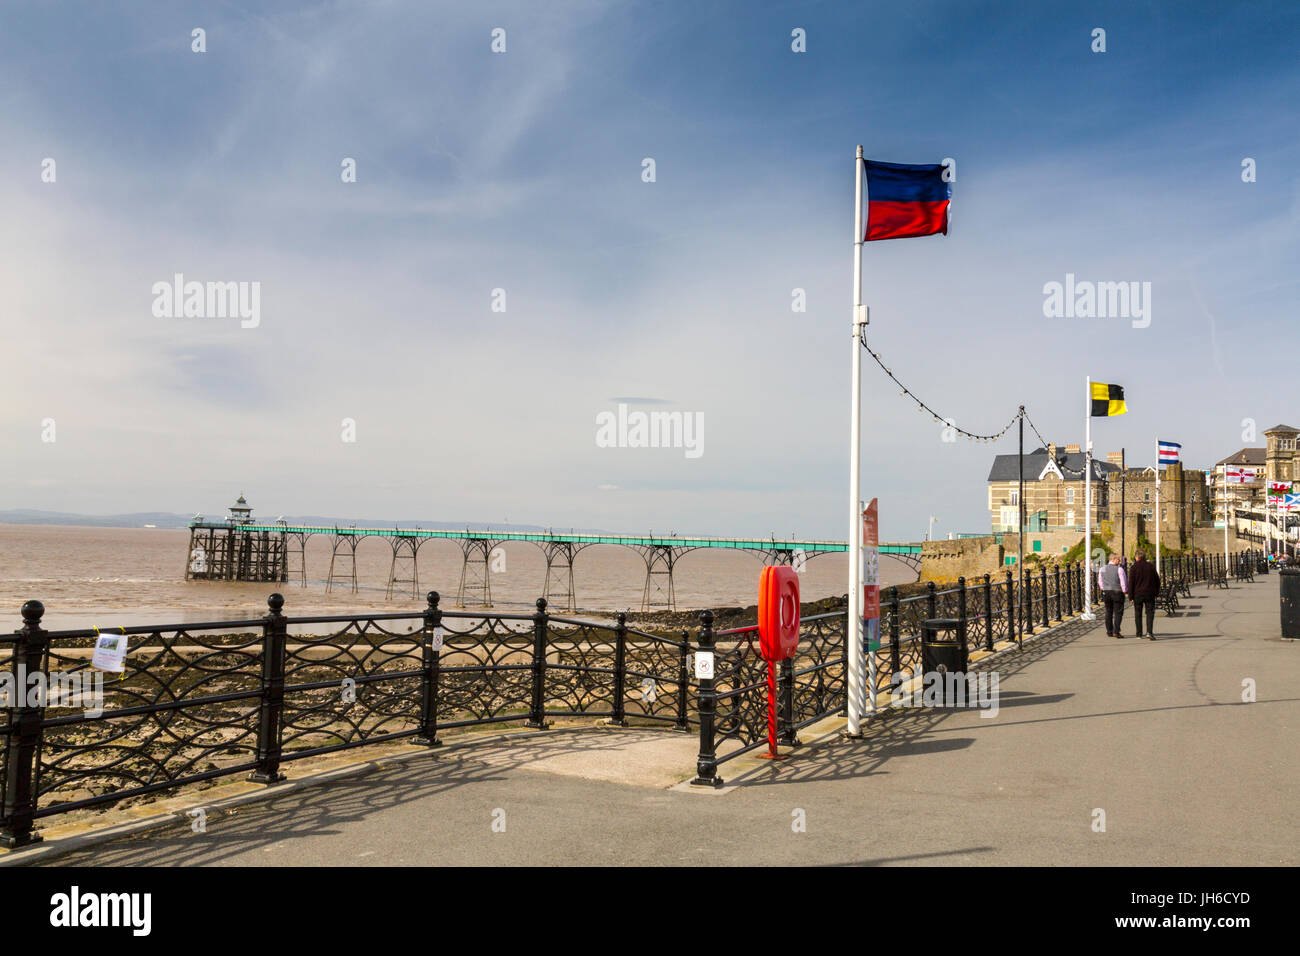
202, 701
216, 699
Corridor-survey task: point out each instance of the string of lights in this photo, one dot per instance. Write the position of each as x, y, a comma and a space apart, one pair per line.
942, 419
1034, 429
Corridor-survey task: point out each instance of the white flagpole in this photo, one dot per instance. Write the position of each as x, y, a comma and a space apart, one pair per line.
1268, 525
854, 625
1087, 614
1226, 510
1157, 507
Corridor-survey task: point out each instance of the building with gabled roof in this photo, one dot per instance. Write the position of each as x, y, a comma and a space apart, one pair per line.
1054, 490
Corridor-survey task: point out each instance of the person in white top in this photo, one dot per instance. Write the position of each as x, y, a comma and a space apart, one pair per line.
1113, 582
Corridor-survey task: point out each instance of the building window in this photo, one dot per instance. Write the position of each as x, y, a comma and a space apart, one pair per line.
1015, 497
1069, 498
1146, 494
1069, 517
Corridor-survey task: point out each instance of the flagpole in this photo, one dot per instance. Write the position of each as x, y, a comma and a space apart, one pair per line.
1157, 507
853, 627
1087, 614
1225, 517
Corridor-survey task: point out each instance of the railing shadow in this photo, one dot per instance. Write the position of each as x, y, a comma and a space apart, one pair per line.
328, 807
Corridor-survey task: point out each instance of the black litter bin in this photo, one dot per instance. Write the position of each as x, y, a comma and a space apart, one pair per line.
1289, 587
942, 646
1262, 566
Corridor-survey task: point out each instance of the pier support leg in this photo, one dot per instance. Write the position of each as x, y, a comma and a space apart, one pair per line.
559, 589
344, 551
660, 559
404, 553
475, 572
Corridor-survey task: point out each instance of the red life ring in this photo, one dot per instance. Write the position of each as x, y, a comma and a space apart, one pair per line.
778, 612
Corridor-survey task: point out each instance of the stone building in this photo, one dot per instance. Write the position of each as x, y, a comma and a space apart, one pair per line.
1183, 503
1280, 454
1239, 495
1054, 490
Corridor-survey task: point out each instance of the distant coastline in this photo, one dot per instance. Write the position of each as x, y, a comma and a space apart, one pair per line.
162, 520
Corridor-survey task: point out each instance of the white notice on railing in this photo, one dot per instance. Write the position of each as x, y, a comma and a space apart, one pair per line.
110, 653
437, 638
704, 665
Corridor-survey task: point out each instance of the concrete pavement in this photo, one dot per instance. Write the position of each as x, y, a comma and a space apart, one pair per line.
1155, 735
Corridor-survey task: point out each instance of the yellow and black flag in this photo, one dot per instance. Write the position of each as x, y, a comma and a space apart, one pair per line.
1107, 400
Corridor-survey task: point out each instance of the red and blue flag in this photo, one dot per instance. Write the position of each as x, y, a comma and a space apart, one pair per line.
906, 200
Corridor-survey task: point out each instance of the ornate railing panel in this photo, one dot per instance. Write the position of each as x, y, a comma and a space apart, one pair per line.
485, 668
358, 684
185, 709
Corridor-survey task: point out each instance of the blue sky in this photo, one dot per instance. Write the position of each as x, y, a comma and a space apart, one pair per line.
522, 171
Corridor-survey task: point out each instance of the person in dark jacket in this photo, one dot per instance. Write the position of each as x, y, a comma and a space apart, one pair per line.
1143, 588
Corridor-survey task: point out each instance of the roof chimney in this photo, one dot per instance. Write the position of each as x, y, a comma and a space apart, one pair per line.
1072, 449
1116, 458
1051, 450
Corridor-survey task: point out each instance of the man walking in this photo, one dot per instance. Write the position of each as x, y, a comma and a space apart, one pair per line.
1113, 582
1143, 587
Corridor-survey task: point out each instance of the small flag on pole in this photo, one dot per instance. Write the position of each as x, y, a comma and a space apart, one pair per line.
1277, 488
1239, 476
1107, 400
1290, 502
905, 200
1168, 452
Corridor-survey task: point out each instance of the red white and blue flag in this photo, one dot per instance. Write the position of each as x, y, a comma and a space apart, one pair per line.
906, 200
1168, 451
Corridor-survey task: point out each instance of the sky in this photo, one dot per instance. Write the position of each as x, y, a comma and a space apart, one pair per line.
523, 171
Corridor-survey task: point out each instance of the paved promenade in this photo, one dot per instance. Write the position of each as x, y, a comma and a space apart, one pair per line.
1154, 734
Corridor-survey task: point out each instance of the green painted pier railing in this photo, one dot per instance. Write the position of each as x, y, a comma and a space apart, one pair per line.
632, 540
235, 550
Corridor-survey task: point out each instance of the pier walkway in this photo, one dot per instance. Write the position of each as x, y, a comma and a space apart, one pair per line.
237, 549
1154, 734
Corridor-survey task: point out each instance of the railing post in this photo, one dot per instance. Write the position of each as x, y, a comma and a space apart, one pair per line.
988, 612
706, 766
431, 656
895, 649
931, 608
1027, 604
785, 704
1056, 573
620, 671
683, 684
274, 641
537, 715
1011, 606
1043, 588
961, 619
18, 811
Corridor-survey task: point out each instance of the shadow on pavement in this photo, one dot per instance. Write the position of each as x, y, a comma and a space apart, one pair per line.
324, 809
